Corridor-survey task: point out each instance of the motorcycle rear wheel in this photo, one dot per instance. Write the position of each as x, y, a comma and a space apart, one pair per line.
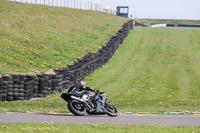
77, 108
111, 110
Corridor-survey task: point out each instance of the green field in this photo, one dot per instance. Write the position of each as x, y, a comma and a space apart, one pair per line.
154, 71
38, 38
72, 128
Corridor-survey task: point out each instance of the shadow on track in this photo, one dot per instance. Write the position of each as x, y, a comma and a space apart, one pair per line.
69, 114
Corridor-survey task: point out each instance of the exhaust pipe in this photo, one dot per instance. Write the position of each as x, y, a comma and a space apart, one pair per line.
80, 100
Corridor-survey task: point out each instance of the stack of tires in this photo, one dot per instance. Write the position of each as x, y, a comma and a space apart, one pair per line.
21, 87
7, 88
16, 86
82, 71
57, 83
35, 86
28, 88
66, 79
43, 89
1, 88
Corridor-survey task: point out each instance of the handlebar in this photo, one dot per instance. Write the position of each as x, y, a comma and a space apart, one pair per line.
96, 92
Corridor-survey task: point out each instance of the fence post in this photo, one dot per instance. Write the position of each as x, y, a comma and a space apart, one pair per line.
96, 6
67, 3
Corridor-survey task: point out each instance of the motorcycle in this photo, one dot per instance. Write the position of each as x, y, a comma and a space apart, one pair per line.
84, 103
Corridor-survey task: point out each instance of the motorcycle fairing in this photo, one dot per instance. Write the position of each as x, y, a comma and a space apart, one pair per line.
66, 96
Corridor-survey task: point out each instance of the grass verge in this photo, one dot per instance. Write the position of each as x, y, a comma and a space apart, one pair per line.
72, 128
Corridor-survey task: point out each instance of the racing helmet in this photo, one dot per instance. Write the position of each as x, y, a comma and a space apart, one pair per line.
80, 84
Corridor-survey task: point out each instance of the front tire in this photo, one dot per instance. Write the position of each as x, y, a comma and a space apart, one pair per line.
111, 110
77, 108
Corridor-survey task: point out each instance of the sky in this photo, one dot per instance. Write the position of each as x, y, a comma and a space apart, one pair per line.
156, 9
163, 9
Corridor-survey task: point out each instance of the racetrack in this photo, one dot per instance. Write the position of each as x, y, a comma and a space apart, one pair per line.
101, 119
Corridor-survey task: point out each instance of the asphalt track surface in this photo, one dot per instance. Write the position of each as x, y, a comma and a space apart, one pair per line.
101, 119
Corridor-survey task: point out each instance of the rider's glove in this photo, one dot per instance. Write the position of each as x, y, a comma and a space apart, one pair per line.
96, 91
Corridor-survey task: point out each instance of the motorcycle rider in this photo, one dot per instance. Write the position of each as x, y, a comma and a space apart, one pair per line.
79, 87
79, 104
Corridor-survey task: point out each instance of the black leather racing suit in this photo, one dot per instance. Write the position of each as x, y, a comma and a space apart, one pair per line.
73, 88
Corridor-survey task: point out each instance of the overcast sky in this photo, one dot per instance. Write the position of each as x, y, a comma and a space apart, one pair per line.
167, 9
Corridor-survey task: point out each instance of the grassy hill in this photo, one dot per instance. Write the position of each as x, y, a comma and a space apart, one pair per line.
39, 38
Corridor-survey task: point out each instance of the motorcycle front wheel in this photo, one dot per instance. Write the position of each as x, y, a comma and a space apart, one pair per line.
111, 110
77, 108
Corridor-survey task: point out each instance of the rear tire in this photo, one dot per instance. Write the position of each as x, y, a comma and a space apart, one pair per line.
77, 108
111, 110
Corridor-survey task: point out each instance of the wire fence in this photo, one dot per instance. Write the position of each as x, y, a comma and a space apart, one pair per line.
76, 4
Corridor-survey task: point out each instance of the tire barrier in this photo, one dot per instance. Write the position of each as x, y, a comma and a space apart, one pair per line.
173, 25
25, 86
182, 25
140, 24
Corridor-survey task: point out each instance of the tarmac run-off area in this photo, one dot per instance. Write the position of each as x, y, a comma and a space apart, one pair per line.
136, 119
